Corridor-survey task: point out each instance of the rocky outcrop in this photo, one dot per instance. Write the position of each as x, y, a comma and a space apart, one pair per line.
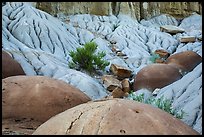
24, 126
186, 95
155, 76
126, 85
42, 53
28, 101
110, 82
186, 39
114, 116
41, 44
137, 10
120, 71
10, 67
38, 97
118, 93
185, 61
118, 88
171, 29
162, 53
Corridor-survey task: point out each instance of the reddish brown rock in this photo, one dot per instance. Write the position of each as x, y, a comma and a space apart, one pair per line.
110, 82
160, 61
38, 97
155, 76
10, 67
185, 61
23, 126
125, 85
114, 117
117, 93
162, 53
120, 72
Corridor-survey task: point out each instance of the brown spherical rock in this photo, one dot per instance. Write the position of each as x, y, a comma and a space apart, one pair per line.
155, 76
10, 67
185, 61
114, 117
38, 97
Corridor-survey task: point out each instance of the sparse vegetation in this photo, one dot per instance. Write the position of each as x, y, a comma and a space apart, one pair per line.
154, 57
87, 59
164, 104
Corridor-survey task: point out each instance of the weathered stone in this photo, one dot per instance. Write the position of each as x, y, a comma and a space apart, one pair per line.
51, 56
110, 82
137, 10
186, 39
180, 10
171, 29
126, 94
114, 117
162, 53
155, 76
71, 8
120, 71
185, 61
159, 61
10, 67
38, 97
125, 85
17, 126
118, 93
186, 95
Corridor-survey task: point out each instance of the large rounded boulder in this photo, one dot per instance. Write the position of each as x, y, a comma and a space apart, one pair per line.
185, 61
155, 76
114, 117
38, 97
10, 67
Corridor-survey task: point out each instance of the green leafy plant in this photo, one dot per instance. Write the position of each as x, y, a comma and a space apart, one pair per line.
87, 59
164, 104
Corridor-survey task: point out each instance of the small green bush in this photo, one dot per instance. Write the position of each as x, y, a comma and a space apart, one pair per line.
86, 58
164, 104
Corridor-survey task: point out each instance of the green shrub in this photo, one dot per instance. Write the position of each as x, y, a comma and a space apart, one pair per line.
86, 58
164, 104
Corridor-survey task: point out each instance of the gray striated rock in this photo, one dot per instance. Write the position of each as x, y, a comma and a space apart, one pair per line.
90, 86
186, 95
160, 20
192, 23
41, 43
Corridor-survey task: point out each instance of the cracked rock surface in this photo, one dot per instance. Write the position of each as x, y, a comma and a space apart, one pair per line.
29, 101
41, 43
113, 116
